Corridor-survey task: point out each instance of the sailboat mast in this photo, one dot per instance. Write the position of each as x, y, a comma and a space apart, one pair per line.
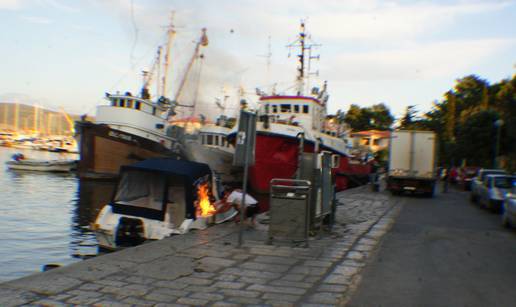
6, 112
170, 35
16, 115
35, 124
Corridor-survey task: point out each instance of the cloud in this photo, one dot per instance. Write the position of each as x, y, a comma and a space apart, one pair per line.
37, 19
421, 61
11, 4
60, 6
394, 20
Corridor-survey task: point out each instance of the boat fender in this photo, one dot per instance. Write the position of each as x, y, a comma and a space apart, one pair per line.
50, 266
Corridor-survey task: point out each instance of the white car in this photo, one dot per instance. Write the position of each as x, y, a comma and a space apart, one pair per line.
478, 181
509, 208
493, 191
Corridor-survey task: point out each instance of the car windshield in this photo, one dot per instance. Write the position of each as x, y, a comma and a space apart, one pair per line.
484, 174
503, 182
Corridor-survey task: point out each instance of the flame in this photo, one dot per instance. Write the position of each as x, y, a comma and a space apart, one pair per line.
204, 207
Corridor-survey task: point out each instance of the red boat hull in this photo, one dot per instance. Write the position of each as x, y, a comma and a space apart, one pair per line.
277, 157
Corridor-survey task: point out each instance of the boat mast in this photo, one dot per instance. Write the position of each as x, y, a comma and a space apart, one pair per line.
170, 35
302, 75
16, 115
203, 42
35, 124
301, 56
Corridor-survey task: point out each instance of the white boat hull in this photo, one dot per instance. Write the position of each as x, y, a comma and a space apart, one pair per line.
42, 165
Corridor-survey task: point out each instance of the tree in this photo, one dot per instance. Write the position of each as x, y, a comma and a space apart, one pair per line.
407, 120
476, 138
450, 116
376, 117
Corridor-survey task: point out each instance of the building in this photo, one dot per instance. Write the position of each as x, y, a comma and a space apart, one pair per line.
371, 140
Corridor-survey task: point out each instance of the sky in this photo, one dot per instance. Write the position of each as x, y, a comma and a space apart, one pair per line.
67, 54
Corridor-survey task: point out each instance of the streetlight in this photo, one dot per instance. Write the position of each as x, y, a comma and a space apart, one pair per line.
498, 124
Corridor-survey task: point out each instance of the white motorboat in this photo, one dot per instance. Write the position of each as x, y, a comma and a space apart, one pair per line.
19, 162
157, 198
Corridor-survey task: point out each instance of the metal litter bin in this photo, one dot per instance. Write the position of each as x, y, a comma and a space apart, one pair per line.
289, 210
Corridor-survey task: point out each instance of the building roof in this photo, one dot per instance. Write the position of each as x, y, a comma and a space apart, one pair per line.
369, 133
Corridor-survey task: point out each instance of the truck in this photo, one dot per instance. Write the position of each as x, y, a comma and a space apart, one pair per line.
412, 162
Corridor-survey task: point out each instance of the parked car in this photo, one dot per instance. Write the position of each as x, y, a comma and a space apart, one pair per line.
492, 192
466, 176
509, 208
478, 181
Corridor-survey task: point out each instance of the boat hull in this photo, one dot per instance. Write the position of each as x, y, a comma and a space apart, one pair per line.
276, 156
42, 166
104, 150
220, 161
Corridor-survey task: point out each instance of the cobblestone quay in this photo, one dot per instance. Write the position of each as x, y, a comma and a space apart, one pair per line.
205, 268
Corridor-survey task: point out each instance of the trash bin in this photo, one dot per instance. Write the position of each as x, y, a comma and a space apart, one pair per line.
289, 210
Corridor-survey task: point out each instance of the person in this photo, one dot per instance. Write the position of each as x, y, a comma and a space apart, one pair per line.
234, 198
444, 177
373, 176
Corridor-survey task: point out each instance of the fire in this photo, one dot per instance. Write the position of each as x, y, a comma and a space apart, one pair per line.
204, 207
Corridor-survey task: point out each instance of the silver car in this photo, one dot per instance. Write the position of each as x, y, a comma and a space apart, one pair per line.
493, 191
509, 208
478, 181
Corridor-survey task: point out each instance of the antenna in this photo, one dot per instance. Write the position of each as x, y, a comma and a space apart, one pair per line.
269, 57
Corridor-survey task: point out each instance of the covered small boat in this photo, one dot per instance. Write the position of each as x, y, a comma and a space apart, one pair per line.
156, 198
20, 162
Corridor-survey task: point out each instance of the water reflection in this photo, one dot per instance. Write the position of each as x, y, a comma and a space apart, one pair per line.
91, 196
45, 217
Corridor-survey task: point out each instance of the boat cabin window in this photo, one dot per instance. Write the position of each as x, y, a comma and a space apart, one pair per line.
285, 108
137, 105
121, 103
274, 108
266, 109
129, 104
216, 140
305, 109
113, 102
209, 139
296, 108
141, 189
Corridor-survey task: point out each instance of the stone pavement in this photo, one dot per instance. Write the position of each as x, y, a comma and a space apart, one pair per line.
205, 268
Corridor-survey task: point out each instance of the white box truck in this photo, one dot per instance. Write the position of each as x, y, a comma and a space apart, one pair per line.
412, 162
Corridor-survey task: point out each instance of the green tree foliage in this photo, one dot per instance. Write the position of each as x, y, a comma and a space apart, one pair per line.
408, 119
451, 108
475, 138
464, 121
376, 117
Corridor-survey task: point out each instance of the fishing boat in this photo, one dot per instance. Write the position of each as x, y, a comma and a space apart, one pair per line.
19, 162
157, 198
288, 122
209, 144
131, 128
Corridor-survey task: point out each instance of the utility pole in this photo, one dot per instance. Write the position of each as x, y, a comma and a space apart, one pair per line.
498, 124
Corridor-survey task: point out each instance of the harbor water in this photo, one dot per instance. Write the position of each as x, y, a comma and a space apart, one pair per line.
45, 217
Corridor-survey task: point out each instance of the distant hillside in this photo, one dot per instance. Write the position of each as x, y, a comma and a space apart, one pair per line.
48, 122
